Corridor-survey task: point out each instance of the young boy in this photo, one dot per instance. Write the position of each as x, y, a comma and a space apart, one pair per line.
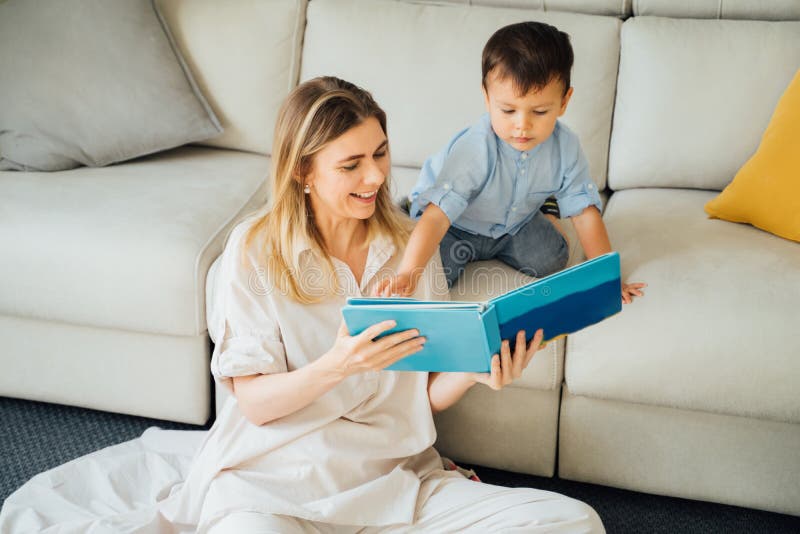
480, 197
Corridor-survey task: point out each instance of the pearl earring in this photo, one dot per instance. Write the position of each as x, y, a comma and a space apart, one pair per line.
307, 189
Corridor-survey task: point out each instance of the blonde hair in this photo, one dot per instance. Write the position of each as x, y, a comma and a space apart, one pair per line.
315, 113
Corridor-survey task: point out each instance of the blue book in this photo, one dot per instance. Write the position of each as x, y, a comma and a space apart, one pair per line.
463, 336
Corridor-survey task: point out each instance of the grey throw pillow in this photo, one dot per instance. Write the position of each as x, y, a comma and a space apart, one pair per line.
92, 82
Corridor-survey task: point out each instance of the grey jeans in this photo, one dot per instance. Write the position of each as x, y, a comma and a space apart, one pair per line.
538, 249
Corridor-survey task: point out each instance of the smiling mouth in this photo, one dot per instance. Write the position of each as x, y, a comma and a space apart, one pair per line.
364, 196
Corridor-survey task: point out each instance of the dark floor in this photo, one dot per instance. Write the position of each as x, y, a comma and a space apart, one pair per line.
35, 436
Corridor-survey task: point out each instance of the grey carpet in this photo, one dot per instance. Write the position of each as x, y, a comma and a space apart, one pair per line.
35, 436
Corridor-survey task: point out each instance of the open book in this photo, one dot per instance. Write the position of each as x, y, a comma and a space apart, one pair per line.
463, 336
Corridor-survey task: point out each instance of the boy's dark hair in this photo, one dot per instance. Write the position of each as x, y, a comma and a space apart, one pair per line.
532, 54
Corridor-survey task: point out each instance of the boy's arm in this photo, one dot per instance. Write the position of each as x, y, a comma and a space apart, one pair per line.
594, 239
425, 239
422, 245
591, 232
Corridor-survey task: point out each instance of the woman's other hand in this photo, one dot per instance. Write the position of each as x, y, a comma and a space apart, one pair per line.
507, 367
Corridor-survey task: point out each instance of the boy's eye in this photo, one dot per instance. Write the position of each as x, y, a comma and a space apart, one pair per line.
507, 111
540, 112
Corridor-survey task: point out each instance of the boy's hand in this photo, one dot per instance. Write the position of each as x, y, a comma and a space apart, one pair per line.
629, 291
402, 285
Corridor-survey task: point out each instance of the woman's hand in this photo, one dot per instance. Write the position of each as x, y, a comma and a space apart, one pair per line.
507, 367
445, 389
358, 354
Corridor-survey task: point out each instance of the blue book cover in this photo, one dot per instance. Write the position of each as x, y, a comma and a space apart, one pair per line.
463, 336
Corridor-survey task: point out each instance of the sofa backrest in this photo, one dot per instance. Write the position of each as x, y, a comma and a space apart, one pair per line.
422, 62
613, 8
244, 54
719, 9
694, 97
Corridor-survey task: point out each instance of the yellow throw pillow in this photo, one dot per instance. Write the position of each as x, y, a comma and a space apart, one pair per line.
766, 190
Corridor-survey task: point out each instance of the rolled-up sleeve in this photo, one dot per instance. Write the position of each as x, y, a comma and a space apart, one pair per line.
463, 172
245, 333
578, 190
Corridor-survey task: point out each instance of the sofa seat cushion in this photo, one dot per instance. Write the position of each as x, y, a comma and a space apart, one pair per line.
715, 331
125, 246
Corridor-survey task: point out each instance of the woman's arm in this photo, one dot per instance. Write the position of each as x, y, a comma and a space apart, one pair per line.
265, 398
446, 389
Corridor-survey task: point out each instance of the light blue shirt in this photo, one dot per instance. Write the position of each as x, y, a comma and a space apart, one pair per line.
487, 187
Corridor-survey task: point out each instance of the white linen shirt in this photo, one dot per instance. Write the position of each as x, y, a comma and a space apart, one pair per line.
356, 455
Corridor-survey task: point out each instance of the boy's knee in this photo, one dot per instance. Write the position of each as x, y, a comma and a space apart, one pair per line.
556, 222
455, 254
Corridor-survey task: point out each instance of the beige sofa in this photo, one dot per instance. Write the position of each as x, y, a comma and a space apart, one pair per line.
689, 392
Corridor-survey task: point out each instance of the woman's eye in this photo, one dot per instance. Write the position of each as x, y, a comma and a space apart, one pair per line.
380, 154
350, 167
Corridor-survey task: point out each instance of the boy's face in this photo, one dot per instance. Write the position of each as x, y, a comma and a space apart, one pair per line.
524, 121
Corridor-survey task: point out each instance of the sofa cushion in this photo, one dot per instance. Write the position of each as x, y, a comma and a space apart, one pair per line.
126, 246
423, 65
766, 191
718, 9
694, 96
92, 83
715, 331
245, 55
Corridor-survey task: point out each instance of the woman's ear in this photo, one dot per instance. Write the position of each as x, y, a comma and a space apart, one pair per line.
304, 183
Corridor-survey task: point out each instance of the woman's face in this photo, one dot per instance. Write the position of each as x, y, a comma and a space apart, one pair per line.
348, 172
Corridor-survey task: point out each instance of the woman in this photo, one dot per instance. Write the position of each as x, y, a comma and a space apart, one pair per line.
318, 435
315, 437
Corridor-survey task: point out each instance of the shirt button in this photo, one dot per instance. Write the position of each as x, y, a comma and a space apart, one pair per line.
513, 209
590, 186
447, 186
524, 155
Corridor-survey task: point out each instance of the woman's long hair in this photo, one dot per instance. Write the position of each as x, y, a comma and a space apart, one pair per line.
315, 113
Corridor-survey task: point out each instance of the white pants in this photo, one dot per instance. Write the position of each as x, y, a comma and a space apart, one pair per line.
455, 505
